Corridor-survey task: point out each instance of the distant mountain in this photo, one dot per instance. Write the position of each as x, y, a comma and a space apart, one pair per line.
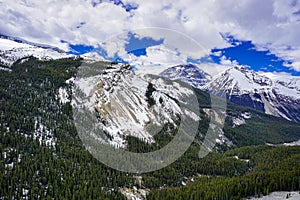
278, 96
19, 40
188, 73
274, 94
13, 49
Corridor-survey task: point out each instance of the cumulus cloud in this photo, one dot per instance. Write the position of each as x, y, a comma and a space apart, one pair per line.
157, 59
225, 61
269, 24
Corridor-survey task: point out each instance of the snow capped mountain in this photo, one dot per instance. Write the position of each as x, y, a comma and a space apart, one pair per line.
19, 40
12, 50
288, 81
130, 105
273, 94
187, 73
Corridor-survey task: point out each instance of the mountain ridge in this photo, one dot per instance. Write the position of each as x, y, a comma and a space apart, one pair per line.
13, 49
273, 94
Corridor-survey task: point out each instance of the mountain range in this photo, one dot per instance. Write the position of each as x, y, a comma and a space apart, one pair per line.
274, 94
52, 103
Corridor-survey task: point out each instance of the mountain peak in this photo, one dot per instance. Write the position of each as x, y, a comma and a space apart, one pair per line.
246, 79
188, 73
278, 97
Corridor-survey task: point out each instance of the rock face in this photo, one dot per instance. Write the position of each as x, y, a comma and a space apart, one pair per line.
130, 105
278, 96
187, 73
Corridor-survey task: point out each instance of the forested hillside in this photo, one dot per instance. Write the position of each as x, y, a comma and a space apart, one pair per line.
42, 156
269, 169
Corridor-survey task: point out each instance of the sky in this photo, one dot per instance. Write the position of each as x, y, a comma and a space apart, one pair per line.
263, 35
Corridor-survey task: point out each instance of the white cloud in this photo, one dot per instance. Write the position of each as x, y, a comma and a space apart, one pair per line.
53, 21
269, 24
227, 62
158, 58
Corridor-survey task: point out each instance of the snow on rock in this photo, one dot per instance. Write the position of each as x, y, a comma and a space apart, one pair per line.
187, 73
274, 94
246, 115
70, 80
192, 115
122, 104
239, 80
122, 99
238, 121
215, 125
6, 44
173, 88
11, 51
280, 196
134, 193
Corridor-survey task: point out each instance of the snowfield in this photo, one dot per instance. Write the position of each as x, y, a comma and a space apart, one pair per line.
11, 51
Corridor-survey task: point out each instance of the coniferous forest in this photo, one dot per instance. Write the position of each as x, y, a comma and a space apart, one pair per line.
42, 156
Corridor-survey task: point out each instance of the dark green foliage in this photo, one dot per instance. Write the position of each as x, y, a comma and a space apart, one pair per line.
260, 128
28, 94
150, 90
272, 169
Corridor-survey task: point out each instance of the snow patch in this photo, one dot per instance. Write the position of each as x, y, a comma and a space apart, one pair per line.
192, 115
134, 193
63, 96
10, 166
44, 135
280, 196
238, 121
246, 115
295, 143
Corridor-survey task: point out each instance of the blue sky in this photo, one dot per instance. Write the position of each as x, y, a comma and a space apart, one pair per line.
261, 34
242, 52
138, 46
246, 53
